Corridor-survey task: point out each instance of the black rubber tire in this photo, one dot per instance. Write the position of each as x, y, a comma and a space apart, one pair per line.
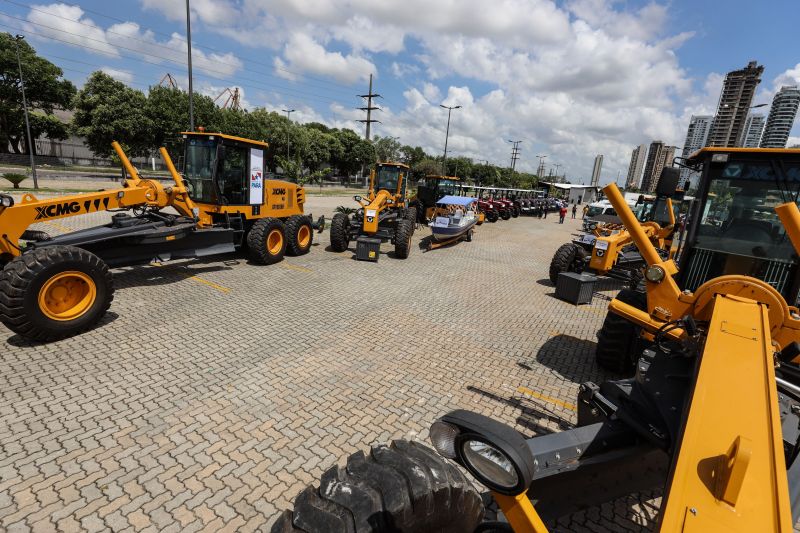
619, 345
492, 216
411, 214
35, 235
564, 260
515, 211
257, 241
294, 225
402, 238
23, 278
401, 487
469, 236
340, 232
505, 214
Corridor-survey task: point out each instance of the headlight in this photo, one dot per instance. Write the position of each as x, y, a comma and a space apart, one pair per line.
655, 274
489, 463
496, 454
443, 438
6, 201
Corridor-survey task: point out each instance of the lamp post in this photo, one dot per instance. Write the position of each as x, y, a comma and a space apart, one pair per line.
17, 40
447, 134
289, 123
189, 64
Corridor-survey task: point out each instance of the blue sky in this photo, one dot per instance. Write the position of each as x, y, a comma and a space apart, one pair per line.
571, 79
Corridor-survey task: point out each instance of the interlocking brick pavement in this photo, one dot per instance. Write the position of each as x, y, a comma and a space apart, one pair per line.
215, 390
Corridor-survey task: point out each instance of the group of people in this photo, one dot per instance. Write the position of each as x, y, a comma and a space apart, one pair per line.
541, 207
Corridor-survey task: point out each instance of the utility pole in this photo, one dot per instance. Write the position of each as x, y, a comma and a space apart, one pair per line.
514, 154
557, 165
369, 108
17, 40
447, 134
540, 169
189, 43
288, 124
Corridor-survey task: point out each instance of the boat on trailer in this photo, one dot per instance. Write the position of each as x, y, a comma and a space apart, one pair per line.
453, 220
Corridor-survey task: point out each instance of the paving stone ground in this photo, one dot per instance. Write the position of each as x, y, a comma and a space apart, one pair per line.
215, 390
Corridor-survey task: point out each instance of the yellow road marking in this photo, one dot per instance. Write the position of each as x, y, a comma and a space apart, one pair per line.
295, 267
539, 396
198, 279
58, 226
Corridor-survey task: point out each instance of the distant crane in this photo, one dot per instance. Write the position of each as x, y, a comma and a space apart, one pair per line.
232, 100
168, 81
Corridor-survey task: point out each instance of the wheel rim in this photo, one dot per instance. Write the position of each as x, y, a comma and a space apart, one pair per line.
303, 236
67, 296
274, 242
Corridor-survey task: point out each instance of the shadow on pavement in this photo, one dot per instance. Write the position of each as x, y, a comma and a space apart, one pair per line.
529, 415
21, 342
571, 357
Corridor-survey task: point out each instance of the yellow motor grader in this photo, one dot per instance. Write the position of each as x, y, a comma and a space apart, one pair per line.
608, 249
712, 418
732, 229
383, 216
54, 287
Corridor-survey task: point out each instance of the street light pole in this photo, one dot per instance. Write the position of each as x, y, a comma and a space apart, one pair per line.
447, 134
17, 39
289, 123
189, 64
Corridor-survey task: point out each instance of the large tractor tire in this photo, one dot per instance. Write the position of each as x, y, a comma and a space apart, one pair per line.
402, 238
299, 235
54, 292
505, 214
266, 241
492, 216
340, 232
619, 345
411, 214
402, 487
566, 259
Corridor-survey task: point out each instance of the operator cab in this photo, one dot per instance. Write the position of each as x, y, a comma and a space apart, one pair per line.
223, 170
390, 177
734, 228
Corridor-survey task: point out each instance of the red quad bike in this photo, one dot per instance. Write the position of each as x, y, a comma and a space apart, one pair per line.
489, 210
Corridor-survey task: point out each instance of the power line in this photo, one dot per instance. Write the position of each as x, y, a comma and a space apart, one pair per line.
255, 85
369, 108
176, 36
140, 52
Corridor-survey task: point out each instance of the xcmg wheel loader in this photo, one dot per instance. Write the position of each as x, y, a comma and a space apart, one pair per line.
51, 288
384, 215
712, 418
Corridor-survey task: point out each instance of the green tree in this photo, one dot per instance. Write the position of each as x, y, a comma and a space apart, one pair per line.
412, 155
425, 167
316, 148
386, 148
354, 152
107, 110
168, 111
45, 90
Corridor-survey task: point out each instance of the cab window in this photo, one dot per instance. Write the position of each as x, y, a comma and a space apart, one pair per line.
232, 175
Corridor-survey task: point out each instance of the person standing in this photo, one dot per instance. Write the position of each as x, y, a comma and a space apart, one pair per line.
562, 214
574, 210
544, 208
585, 210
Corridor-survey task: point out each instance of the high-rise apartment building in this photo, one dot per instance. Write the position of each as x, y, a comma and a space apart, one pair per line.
734, 105
659, 156
598, 166
651, 168
636, 166
696, 138
753, 129
781, 117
